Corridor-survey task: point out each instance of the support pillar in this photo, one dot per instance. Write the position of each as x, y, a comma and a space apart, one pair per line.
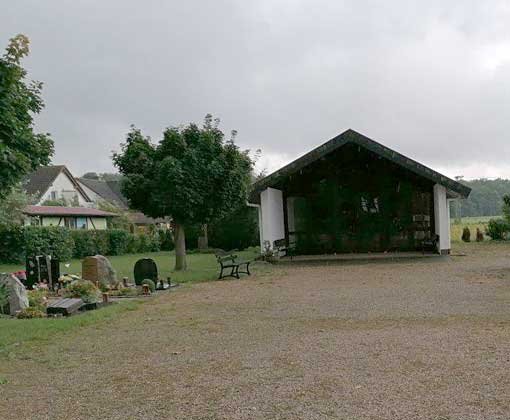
272, 226
442, 219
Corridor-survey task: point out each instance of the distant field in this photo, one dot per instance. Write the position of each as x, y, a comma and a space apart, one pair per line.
472, 223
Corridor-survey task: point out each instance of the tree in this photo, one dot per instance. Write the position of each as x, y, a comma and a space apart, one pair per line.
121, 221
506, 207
91, 175
193, 176
12, 205
21, 149
105, 176
486, 198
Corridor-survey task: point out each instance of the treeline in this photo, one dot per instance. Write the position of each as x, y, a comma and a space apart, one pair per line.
486, 198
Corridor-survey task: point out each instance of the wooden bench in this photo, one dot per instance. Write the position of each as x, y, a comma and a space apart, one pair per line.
230, 262
430, 244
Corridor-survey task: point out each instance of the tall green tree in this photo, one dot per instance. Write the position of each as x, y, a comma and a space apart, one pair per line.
193, 175
21, 150
12, 205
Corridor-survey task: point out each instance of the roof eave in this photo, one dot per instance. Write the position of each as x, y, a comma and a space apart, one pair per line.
273, 179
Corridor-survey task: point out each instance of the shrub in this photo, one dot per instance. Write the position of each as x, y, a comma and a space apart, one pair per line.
16, 242
84, 244
166, 240
128, 291
497, 229
192, 235
54, 241
37, 298
239, 230
151, 284
83, 289
133, 244
11, 244
147, 242
466, 234
31, 312
118, 241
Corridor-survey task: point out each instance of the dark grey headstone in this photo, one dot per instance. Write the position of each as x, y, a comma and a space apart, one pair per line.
145, 268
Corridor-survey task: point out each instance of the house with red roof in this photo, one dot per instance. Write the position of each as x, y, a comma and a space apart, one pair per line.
70, 217
61, 200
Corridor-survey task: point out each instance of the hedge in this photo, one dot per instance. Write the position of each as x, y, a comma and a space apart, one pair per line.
16, 242
239, 230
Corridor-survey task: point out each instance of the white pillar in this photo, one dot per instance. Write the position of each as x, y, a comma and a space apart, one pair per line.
442, 218
271, 209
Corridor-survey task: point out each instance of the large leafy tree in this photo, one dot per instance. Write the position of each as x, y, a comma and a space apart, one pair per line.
21, 150
193, 175
12, 205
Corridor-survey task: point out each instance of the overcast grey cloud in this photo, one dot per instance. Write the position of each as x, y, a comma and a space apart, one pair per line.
430, 79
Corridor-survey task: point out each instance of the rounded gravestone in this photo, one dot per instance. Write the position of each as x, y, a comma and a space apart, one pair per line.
145, 268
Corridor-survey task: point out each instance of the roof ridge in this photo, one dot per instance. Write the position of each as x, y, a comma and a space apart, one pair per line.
352, 136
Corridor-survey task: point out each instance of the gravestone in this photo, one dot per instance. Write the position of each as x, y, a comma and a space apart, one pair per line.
42, 268
145, 268
99, 271
18, 297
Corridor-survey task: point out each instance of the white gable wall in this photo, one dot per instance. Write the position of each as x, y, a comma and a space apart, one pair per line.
62, 186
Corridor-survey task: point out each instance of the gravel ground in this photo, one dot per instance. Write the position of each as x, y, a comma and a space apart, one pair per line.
420, 339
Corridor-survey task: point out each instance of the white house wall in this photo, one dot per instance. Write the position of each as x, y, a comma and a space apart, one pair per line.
442, 218
271, 211
63, 186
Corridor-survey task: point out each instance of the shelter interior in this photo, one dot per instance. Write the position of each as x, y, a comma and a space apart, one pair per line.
353, 200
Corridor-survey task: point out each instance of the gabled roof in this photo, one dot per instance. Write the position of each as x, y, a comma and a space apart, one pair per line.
108, 191
350, 136
111, 192
65, 211
38, 182
116, 188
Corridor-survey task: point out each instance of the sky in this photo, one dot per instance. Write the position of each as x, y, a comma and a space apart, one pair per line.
429, 79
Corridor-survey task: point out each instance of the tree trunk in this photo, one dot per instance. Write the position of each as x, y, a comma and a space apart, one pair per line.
180, 248
203, 241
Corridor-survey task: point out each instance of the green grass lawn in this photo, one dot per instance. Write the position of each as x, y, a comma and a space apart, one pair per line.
18, 335
201, 267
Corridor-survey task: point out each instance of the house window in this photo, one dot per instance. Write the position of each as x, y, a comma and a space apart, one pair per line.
53, 195
81, 223
70, 222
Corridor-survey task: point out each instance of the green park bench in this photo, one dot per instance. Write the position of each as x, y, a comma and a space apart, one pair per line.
232, 264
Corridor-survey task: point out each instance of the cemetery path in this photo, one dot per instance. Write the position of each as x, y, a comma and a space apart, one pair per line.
424, 339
